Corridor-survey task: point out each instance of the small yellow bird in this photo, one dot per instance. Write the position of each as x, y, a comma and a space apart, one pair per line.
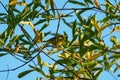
56, 41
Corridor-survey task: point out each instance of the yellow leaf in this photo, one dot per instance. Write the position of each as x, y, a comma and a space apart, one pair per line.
94, 57
115, 29
97, 26
107, 24
65, 55
87, 55
39, 61
22, 3
16, 48
55, 66
47, 64
59, 78
39, 37
81, 71
117, 46
28, 23
36, 33
97, 4
13, 2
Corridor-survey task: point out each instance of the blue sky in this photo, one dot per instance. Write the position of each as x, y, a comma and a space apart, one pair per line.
9, 62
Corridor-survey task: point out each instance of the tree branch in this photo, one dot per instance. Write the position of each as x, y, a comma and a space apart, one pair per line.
13, 69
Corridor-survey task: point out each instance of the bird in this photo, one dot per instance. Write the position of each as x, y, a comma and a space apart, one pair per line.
56, 41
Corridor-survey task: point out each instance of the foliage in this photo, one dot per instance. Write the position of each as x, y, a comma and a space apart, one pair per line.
83, 52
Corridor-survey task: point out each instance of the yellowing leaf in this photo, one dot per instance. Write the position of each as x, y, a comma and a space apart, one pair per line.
63, 55
107, 24
13, 2
36, 33
59, 78
41, 36
87, 55
81, 70
28, 23
117, 46
97, 4
117, 28
1, 43
47, 64
97, 26
16, 48
39, 61
22, 3
55, 66
114, 40
94, 57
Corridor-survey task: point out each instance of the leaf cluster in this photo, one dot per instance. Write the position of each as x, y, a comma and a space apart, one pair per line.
83, 56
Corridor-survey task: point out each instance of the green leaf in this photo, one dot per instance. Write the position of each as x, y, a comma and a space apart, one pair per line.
2, 54
42, 6
65, 61
79, 17
114, 40
98, 73
26, 34
116, 68
90, 63
1, 43
16, 10
115, 56
110, 18
2, 14
82, 11
24, 13
35, 14
41, 36
88, 1
25, 42
52, 6
36, 4
22, 74
74, 28
97, 68
74, 38
43, 27
39, 60
68, 24
15, 38
76, 2
37, 69
40, 21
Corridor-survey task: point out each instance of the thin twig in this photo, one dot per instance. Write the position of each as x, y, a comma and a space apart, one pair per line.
15, 57
4, 7
7, 73
58, 25
13, 69
2, 50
